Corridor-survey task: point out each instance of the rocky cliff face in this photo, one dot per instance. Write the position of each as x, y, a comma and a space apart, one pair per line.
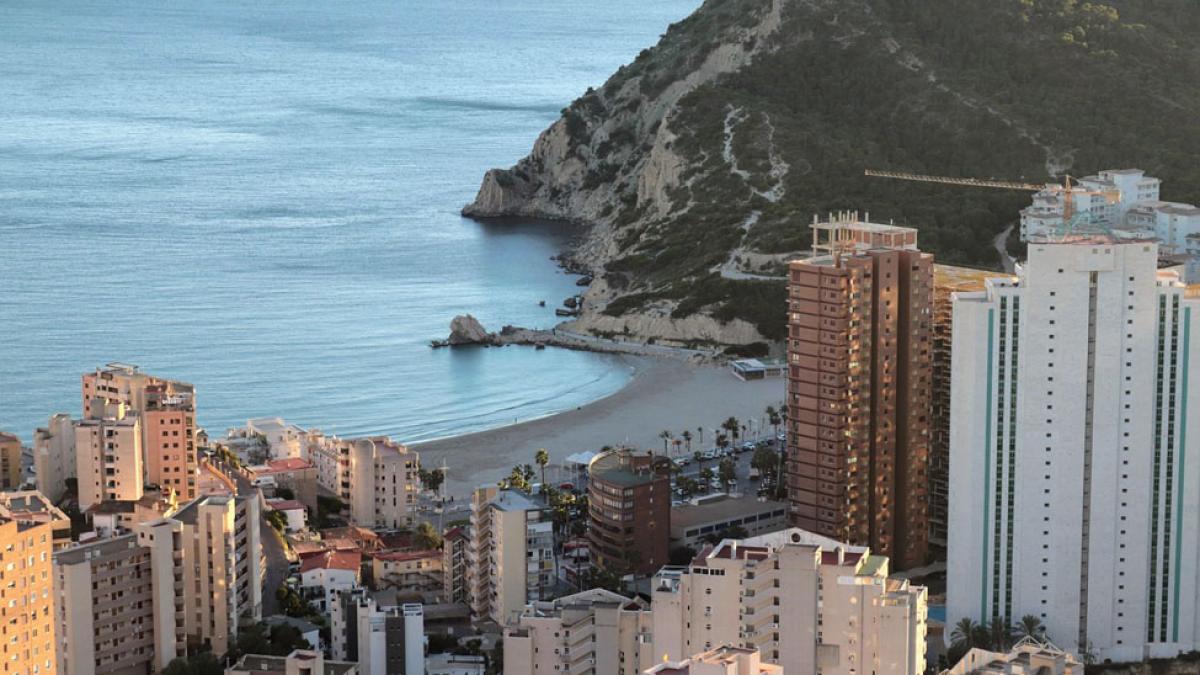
699, 164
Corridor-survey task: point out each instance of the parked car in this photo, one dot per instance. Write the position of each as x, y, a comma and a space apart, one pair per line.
748, 446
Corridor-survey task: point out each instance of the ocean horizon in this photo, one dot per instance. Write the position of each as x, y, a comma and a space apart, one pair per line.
263, 200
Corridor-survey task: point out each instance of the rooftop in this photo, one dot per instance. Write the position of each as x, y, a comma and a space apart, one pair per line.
6, 437
285, 505
623, 468
402, 556
333, 560
720, 509
268, 665
85, 552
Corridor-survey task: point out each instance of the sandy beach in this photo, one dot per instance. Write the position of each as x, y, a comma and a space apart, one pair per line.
664, 394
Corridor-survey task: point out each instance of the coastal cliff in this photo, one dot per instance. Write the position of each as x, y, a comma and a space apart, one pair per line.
699, 165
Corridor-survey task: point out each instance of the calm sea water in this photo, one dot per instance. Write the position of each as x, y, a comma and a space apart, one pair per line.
262, 198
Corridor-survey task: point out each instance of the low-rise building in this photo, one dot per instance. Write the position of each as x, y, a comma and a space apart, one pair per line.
299, 662
115, 517
1027, 657
510, 561
707, 517
415, 571
283, 440
629, 511
308, 630
724, 660
596, 631
808, 603
322, 576
295, 512
54, 456
30, 507
293, 473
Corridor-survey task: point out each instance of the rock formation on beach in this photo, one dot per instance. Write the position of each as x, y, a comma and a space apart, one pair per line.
698, 165
466, 330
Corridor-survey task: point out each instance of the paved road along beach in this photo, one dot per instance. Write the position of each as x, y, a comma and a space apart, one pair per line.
665, 394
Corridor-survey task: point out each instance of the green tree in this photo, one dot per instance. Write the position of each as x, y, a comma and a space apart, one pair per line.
1030, 626
732, 426
432, 480
202, 663
542, 458
277, 519
727, 472
699, 457
666, 438
766, 461
774, 418
427, 537
706, 474
687, 438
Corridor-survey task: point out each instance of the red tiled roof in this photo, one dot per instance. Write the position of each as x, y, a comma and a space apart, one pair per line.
333, 560
285, 505
455, 533
288, 464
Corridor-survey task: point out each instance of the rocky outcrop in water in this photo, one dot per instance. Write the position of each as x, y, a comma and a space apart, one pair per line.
466, 330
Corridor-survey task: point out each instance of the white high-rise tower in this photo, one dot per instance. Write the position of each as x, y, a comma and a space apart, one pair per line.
1074, 485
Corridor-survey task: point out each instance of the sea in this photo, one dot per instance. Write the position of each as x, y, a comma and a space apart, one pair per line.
262, 199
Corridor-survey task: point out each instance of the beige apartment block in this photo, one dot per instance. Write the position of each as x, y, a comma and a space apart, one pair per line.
596, 631
26, 598
510, 561
382, 482
408, 571
455, 543
222, 567
724, 660
10, 461
168, 412
806, 602
105, 607
54, 455
108, 453
163, 540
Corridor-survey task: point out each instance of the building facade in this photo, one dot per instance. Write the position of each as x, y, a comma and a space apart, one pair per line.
26, 597
381, 482
859, 388
167, 410
10, 461
381, 639
629, 511
1070, 498
596, 631
54, 456
108, 454
807, 603
510, 560
105, 607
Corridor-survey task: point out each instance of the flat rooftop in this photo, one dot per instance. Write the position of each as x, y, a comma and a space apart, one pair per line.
720, 509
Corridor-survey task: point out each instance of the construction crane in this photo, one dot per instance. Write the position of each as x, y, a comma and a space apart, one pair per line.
1070, 220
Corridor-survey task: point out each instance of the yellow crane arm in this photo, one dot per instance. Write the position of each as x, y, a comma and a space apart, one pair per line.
948, 180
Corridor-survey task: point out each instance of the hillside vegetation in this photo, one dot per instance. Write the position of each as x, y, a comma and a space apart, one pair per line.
701, 164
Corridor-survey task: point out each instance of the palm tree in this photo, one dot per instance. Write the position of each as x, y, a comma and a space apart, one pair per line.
542, 458
699, 457
687, 438
1030, 626
732, 426
666, 438
675, 443
962, 638
774, 418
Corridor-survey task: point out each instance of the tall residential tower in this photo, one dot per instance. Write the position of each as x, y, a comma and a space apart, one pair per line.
1070, 496
859, 377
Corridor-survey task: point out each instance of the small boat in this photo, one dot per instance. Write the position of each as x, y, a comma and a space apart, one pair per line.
540, 345
541, 303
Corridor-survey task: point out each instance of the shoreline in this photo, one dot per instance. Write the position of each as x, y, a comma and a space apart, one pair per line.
665, 393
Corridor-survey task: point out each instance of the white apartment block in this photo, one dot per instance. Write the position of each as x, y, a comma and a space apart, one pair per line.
806, 602
1106, 198
724, 660
382, 483
1070, 495
382, 639
596, 631
54, 456
510, 559
325, 453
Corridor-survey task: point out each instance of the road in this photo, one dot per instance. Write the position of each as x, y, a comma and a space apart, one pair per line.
272, 543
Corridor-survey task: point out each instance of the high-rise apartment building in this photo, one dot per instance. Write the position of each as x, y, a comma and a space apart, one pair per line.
54, 455
1071, 498
947, 281
629, 511
167, 412
381, 482
108, 454
510, 560
381, 638
105, 607
807, 603
10, 461
859, 378
596, 631
26, 596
